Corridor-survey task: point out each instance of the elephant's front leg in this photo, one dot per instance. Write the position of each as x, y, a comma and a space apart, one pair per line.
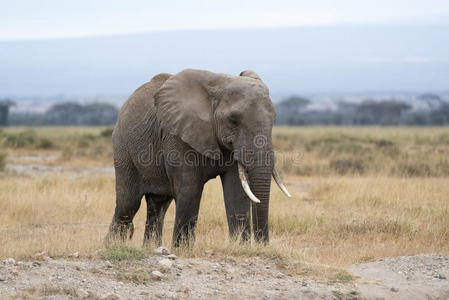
156, 209
237, 205
187, 206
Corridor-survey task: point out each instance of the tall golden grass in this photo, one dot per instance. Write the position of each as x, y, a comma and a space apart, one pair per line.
331, 221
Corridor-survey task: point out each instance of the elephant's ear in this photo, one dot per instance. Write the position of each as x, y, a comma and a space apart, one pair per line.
185, 109
251, 74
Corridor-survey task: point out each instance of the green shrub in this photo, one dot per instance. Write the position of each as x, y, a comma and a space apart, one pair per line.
123, 253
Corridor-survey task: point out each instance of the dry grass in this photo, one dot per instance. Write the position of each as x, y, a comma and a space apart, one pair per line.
368, 151
330, 222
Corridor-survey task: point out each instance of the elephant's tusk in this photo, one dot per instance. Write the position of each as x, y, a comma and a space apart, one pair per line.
245, 185
279, 182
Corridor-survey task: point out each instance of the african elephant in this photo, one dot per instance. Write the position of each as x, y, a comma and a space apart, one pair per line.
175, 133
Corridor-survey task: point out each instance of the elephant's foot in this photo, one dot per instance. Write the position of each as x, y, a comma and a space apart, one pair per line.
118, 232
152, 238
184, 236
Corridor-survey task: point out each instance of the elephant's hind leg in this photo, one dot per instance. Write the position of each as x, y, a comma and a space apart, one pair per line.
128, 199
156, 208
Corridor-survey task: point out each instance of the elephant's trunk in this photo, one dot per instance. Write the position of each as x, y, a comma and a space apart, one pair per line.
258, 164
260, 183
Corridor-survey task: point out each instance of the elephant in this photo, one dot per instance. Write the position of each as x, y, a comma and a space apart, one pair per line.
175, 133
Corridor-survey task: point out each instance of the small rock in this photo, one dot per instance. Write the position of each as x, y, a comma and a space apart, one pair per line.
108, 264
74, 255
162, 251
78, 268
280, 275
156, 275
9, 261
166, 263
98, 252
303, 283
395, 290
441, 276
3, 278
209, 252
172, 257
110, 296
184, 289
14, 272
82, 293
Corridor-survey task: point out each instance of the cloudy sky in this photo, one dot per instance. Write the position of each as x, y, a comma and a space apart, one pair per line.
30, 19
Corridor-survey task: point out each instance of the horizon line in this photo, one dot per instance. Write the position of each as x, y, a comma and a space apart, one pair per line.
249, 28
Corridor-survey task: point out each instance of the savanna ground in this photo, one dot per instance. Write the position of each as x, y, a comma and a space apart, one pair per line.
359, 194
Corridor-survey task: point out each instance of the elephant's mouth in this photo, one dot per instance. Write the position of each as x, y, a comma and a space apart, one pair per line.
245, 184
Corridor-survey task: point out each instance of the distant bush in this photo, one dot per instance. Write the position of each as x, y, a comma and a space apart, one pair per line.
21, 139
3, 156
45, 143
415, 169
348, 165
27, 138
107, 133
384, 143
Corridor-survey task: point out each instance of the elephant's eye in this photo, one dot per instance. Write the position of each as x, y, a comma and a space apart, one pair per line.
234, 118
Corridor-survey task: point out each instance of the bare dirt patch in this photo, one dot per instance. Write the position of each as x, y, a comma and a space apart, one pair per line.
169, 277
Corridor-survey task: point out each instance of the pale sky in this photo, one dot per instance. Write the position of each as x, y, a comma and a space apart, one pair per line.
43, 19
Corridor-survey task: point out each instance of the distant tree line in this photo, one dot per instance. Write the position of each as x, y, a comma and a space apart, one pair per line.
69, 113
294, 111
5, 104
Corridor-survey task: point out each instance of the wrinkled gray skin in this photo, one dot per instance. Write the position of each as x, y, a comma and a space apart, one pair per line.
194, 116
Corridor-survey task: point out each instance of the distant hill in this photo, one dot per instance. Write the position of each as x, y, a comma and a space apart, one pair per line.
295, 60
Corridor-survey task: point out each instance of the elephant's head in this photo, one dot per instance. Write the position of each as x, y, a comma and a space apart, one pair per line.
214, 113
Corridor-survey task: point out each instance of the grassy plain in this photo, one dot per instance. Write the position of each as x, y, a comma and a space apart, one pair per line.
359, 194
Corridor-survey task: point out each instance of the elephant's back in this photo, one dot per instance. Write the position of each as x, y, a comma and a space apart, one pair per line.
133, 131
141, 101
